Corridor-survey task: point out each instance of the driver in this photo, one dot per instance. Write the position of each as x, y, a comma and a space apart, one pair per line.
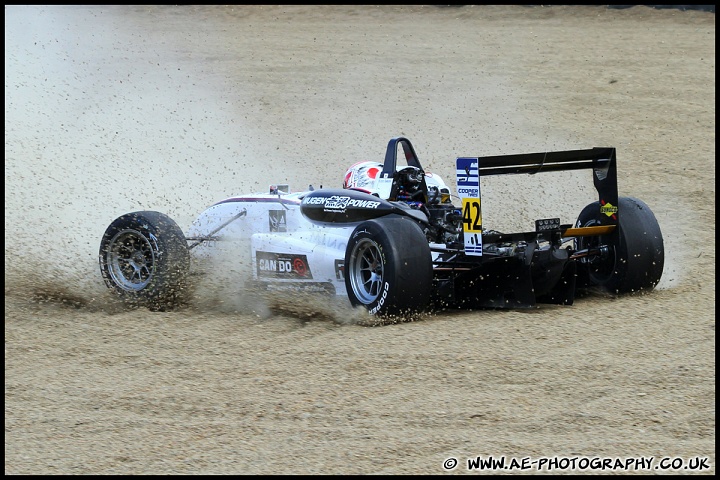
362, 176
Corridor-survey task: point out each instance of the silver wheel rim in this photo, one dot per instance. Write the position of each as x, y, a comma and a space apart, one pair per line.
366, 271
131, 260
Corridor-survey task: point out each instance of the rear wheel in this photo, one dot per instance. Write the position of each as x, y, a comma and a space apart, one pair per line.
388, 267
144, 258
636, 255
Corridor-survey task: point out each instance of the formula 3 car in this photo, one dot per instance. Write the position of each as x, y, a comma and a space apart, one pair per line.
397, 242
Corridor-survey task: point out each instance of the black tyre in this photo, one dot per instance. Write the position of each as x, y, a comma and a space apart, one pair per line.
388, 267
636, 253
145, 259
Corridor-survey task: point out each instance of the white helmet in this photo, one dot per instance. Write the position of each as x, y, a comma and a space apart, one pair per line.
362, 176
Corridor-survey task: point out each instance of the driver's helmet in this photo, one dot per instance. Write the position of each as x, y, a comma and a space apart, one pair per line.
362, 176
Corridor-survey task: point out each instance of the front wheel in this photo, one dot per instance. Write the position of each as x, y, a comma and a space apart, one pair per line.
144, 258
636, 255
388, 267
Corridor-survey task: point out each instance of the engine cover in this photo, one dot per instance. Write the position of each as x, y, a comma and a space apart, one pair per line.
344, 206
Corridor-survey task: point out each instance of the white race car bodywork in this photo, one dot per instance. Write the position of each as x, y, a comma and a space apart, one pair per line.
279, 243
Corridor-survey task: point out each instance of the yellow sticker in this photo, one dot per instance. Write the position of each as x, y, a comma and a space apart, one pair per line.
472, 218
608, 209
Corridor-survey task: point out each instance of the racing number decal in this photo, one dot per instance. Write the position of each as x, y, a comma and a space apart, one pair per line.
468, 182
472, 226
472, 218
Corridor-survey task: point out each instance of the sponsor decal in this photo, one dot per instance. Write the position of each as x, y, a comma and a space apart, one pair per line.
282, 265
469, 192
329, 241
338, 203
300, 266
358, 232
277, 221
381, 300
364, 203
340, 269
314, 200
467, 172
608, 209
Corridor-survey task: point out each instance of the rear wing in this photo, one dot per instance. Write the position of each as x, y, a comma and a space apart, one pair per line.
601, 160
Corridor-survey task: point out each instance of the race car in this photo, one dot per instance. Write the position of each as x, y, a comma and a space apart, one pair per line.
396, 241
